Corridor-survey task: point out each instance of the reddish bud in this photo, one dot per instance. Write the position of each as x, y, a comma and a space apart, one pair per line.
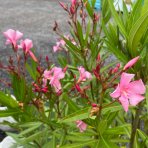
96, 74
74, 2
78, 88
64, 6
115, 69
59, 93
72, 9
65, 69
39, 69
96, 17
47, 58
94, 105
45, 89
98, 58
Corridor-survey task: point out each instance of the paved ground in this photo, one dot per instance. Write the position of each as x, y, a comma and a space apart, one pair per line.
35, 18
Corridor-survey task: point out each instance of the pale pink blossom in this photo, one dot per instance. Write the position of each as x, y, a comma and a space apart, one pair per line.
83, 74
81, 125
26, 45
129, 93
56, 47
12, 37
131, 63
60, 44
54, 75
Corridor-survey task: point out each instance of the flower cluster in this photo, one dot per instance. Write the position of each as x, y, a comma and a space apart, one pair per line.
13, 36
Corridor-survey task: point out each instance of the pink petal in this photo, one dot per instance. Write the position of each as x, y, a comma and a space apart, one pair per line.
81, 125
62, 42
124, 102
44, 82
10, 34
131, 63
55, 48
81, 70
33, 56
56, 84
116, 93
125, 79
18, 35
88, 75
84, 74
134, 99
47, 74
28, 44
137, 87
58, 73
73, 2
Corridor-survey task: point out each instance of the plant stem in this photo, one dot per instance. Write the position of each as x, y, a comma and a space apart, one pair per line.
135, 126
37, 144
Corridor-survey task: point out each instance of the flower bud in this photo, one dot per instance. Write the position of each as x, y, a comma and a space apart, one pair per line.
64, 6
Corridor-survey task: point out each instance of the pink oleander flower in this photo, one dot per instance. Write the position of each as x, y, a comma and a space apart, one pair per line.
54, 75
81, 125
129, 93
26, 45
57, 47
73, 2
61, 43
83, 74
12, 37
131, 63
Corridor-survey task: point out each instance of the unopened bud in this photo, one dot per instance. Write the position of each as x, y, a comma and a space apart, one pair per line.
47, 58
98, 58
94, 111
78, 88
65, 69
96, 17
72, 9
94, 105
59, 92
64, 6
115, 69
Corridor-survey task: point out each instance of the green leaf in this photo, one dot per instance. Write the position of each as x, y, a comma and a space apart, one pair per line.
89, 8
19, 87
117, 18
31, 70
68, 100
6, 113
80, 34
8, 101
118, 53
143, 136
117, 130
32, 137
110, 109
136, 33
79, 145
30, 129
102, 126
78, 115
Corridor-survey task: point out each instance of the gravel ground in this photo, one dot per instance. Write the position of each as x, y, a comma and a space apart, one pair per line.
35, 18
